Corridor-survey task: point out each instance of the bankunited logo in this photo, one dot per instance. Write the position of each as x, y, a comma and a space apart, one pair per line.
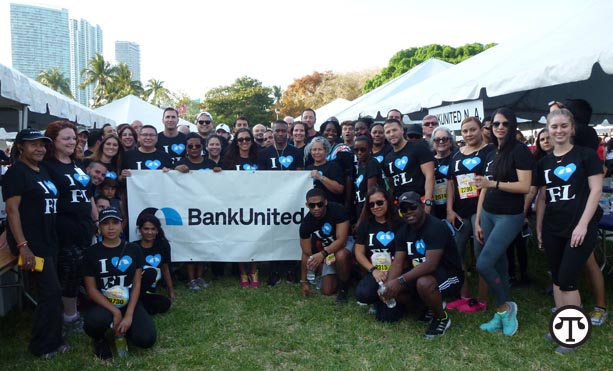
166, 214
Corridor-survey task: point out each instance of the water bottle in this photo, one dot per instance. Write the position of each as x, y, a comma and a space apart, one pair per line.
121, 345
390, 302
310, 276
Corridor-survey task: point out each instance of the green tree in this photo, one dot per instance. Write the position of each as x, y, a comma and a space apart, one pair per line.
406, 59
156, 94
100, 74
54, 79
277, 94
245, 97
122, 84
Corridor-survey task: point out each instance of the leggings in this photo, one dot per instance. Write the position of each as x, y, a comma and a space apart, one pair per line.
142, 333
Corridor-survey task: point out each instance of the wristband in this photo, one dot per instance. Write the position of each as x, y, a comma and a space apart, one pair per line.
23, 244
324, 253
372, 269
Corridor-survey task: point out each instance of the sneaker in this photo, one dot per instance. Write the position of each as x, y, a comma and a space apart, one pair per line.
74, 326
426, 316
64, 348
563, 350
193, 285
254, 281
102, 349
473, 306
438, 327
291, 277
244, 280
372, 310
341, 296
494, 324
599, 316
273, 279
457, 303
509, 320
202, 283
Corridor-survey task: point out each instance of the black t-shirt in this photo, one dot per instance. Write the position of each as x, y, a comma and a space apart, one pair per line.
242, 164
154, 257
137, 160
439, 198
434, 234
74, 186
174, 147
324, 229
37, 208
498, 201
343, 155
207, 164
567, 188
333, 171
380, 155
462, 170
105, 265
377, 236
290, 158
403, 167
366, 171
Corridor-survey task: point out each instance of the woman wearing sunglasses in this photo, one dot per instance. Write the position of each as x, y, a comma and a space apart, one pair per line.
443, 143
374, 247
500, 214
369, 171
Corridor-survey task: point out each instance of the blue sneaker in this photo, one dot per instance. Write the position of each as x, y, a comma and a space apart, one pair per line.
509, 320
494, 324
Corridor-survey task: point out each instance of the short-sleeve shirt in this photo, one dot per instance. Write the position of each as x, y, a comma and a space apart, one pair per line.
137, 160
377, 236
154, 257
324, 228
108, 268
333, 171
174, 147
244, 164
74, 186
366, 171
207, 164
380, 155
289, 158
498, 201
403, 168
567, 188
37, 209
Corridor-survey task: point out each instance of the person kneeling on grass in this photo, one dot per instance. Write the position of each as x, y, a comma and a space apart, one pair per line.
427, 247
112, 274
328, 224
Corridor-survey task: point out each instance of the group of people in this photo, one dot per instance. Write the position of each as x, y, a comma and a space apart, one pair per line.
404, 203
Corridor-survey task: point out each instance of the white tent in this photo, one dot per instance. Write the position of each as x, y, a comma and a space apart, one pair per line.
130, 108
558, 59
370, 103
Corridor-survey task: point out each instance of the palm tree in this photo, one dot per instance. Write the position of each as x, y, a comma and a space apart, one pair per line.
54, 79
277, 94
156, 93
122, 84
100, 74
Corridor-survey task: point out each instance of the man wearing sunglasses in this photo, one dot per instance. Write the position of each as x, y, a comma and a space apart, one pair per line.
429, 123
323, 236
426, 265
204, 124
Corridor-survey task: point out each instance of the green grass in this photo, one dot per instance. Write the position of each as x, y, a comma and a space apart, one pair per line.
226, 327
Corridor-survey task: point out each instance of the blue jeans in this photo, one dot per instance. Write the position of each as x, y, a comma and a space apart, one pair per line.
499, 230
464, 234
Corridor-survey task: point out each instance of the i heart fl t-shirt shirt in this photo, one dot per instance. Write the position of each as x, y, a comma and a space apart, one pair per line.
137, 160
112, 266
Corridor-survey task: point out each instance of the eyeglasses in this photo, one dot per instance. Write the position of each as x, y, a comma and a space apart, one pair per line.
246, 139
377, 203
503, 123
487, 128
441, 140
204, 122
148, 135
430, 123
192, 146
313, 205
405, 207
361, 149
414, 136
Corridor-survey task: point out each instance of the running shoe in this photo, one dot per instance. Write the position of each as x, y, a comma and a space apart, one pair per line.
438, 326
273, 279
458, 303
253, 279
599, 316
202, 283
509, 320
473, 306
494, 324
193, 286
244, 282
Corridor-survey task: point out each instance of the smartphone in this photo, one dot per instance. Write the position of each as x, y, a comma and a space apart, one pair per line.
40, 263
525, 231
458, 224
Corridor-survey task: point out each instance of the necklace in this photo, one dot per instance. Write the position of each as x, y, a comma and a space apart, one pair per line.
280, 155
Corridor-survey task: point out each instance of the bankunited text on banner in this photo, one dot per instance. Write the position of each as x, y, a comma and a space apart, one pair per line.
226, 216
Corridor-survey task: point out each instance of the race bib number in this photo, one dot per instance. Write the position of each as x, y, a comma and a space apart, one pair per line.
466, 186
330, 259
440, 192
381, 259
117, 295
418, 261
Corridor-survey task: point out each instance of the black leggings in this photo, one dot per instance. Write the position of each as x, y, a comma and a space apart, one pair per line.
142, 333
74, 236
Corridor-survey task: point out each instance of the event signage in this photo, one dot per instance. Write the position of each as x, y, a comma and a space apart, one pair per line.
452, 115
227, 216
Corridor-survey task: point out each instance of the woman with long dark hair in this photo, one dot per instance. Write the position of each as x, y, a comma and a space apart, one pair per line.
110, 153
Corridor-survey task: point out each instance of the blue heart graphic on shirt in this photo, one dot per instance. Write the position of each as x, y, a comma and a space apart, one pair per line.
420, 246
286, 161
385, 237
470, 163
443, 169
401, 162
178, 148
250, 167
331, 157
153, 164
153, 260
565, 172
81, 178
111, 174
326, 228
123, 264
379, 158
358, 181
50, 186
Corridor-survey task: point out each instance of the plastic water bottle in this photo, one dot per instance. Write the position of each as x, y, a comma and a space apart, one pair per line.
390, 302
310, 276
121, 345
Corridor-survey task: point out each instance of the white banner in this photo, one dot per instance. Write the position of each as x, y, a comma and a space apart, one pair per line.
452, 115
229, 216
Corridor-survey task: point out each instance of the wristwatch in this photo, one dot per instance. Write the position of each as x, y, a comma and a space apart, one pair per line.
402, 280
428, 202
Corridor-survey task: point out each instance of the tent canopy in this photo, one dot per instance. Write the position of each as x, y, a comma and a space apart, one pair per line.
130, 108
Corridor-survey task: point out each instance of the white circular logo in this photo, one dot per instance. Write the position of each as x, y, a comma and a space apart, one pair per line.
570, 326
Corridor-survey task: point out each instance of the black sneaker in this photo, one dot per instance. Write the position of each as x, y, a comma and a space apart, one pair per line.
273, 279
426, 316
341, 296
102, 349
291, 277
438, 327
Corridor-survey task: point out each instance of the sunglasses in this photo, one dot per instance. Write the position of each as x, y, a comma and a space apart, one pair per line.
414, 136
503, 123
313, 205
192, 146
441, 140
246, 139
487, 127
377, 203
430, 124
204, 122
405, 207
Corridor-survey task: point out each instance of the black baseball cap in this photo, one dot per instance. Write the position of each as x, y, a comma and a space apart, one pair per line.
30, 134
411, 198
109, 212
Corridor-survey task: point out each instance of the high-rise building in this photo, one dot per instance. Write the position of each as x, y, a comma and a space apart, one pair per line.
129, 53
85, 43
39, 39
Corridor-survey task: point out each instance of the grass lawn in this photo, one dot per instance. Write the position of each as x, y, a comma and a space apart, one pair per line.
226, 327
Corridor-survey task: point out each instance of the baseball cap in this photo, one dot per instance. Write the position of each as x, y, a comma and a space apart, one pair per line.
223, 127
109, 212
411, 198
415, 129
30, 134
204, 113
